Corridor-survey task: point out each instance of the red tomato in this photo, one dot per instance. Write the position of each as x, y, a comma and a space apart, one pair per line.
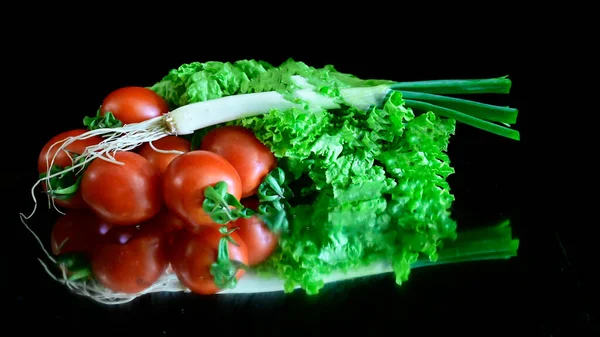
251, 158
78, 231
162, 160
259, 239
130, 260
193, 253
122, 194
62, 159
134, 104
188, 176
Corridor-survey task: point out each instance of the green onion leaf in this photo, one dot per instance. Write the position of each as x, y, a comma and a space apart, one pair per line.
464, 118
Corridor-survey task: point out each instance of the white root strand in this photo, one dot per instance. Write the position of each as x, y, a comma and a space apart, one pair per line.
98, 293
164, 151
125, 138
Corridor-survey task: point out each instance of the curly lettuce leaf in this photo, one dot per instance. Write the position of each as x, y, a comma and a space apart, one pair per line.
197, 82
369, 185
377, 182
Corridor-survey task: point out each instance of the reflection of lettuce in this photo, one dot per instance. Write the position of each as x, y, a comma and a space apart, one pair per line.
369, 185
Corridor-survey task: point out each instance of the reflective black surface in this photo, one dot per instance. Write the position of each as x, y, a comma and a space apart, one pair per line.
490, 183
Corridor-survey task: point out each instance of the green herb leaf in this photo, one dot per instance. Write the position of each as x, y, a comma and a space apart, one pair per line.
106, 121
223, 207
273, 195
62, 186
78, 266
224, 270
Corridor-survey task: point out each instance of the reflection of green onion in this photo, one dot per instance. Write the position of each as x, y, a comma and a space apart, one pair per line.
482, 244
488, 243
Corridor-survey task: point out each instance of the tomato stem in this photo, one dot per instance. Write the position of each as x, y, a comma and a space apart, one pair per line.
218, 202
273, 194
224, 270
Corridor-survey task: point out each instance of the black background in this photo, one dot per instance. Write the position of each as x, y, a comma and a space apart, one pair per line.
65, 76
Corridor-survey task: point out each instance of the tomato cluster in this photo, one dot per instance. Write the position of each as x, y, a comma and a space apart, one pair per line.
136, 221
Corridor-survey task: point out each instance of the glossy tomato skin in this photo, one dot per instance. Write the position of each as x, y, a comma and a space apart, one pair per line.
162, 160
251, 158
188, 176
130, 260
134, 104
192, 254
126, 194
62, 159
259, 239
77, 231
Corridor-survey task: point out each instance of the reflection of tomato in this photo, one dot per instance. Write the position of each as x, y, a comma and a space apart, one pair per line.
188, 176
162, 160
166, 222
78, 231
130, 260
259, 239
122, 194
63, 159
134, 104
193, 254
251, 158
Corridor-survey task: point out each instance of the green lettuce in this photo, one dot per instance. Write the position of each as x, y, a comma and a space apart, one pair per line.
197, 82
369, 185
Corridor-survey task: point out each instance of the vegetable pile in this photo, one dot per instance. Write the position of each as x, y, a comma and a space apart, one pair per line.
245, 177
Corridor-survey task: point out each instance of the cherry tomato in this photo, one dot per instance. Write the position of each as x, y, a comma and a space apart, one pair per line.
77, 231
134, 104
63, 159
188, 176
259, 239
193, 253
162, 160
130, 260
122, 194
251, 158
